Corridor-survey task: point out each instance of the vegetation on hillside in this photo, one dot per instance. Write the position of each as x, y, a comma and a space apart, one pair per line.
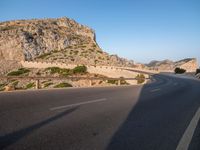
80, 69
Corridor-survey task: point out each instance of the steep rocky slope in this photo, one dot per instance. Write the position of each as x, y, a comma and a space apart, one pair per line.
57, 40
189, 64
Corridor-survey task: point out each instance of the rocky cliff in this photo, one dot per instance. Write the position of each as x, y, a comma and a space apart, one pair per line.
57, 40
189, 64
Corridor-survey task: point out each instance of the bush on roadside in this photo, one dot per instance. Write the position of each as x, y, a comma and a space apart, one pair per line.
15, 83
47, 84
112, 81
30, 85
60, 71
123, 82
178, 70
20, 71
2, 86
63, 85
197, 71
140, 78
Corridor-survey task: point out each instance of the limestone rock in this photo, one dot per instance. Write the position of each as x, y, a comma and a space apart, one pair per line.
55, 40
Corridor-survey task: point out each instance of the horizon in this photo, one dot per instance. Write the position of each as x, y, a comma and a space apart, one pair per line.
141, 31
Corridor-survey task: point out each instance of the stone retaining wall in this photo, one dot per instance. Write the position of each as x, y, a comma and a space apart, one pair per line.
109, 71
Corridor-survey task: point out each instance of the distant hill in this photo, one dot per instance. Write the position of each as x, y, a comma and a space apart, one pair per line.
189, 64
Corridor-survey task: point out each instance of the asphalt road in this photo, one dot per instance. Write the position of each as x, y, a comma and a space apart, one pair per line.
156, 116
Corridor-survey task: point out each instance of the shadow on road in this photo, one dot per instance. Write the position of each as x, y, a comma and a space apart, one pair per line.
159, 118
12, 138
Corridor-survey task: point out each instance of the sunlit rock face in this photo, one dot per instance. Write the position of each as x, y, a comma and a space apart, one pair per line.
27, 39
53, 40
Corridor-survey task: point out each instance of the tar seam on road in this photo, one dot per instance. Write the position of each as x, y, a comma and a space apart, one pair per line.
78, 104
188, 134
155, 90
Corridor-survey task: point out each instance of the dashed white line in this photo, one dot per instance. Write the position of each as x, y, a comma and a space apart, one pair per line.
188, 134
78, 104
155, 90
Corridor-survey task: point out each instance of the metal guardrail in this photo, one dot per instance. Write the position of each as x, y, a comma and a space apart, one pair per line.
38, 78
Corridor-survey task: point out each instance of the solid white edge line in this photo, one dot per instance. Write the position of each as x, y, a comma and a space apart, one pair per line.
78, 104
188, 134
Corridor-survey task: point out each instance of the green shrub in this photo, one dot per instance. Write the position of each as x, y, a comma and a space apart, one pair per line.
94, 45
75, 52
179, 70
30, 85
140, 78
80, 69
47, 84
18, 72
100, 52
7, 28
15, 83
122, 81
2, 89
62, 85
44, 55
53, 70
60, 71
112, 81
197, 71
38, 73
2, 85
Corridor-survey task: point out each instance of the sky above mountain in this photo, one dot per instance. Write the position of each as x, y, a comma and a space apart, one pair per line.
142, 30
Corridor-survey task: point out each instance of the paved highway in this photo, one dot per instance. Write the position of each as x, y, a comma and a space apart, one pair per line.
163, 115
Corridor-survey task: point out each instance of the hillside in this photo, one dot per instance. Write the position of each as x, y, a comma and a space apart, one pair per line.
189, 64
53, 40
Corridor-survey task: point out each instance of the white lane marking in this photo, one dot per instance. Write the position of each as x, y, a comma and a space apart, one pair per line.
155, 90
188, 134
78, 104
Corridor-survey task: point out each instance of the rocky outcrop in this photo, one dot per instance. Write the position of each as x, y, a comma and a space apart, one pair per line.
189, 64
27, 39
53, 40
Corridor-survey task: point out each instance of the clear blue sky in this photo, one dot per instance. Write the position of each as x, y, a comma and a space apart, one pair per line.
141, 30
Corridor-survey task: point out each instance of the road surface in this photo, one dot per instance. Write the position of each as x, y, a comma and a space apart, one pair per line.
163, 115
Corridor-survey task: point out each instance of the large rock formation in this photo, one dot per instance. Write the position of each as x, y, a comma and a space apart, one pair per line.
189, 64
57, 40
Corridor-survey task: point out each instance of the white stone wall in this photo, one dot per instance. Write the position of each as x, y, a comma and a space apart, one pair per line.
42, 65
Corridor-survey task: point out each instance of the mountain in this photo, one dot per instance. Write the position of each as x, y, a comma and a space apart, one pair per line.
189, 64
53, 40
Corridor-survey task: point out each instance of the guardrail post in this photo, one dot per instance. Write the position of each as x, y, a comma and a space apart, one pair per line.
37, 84
90, 82
119, 82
